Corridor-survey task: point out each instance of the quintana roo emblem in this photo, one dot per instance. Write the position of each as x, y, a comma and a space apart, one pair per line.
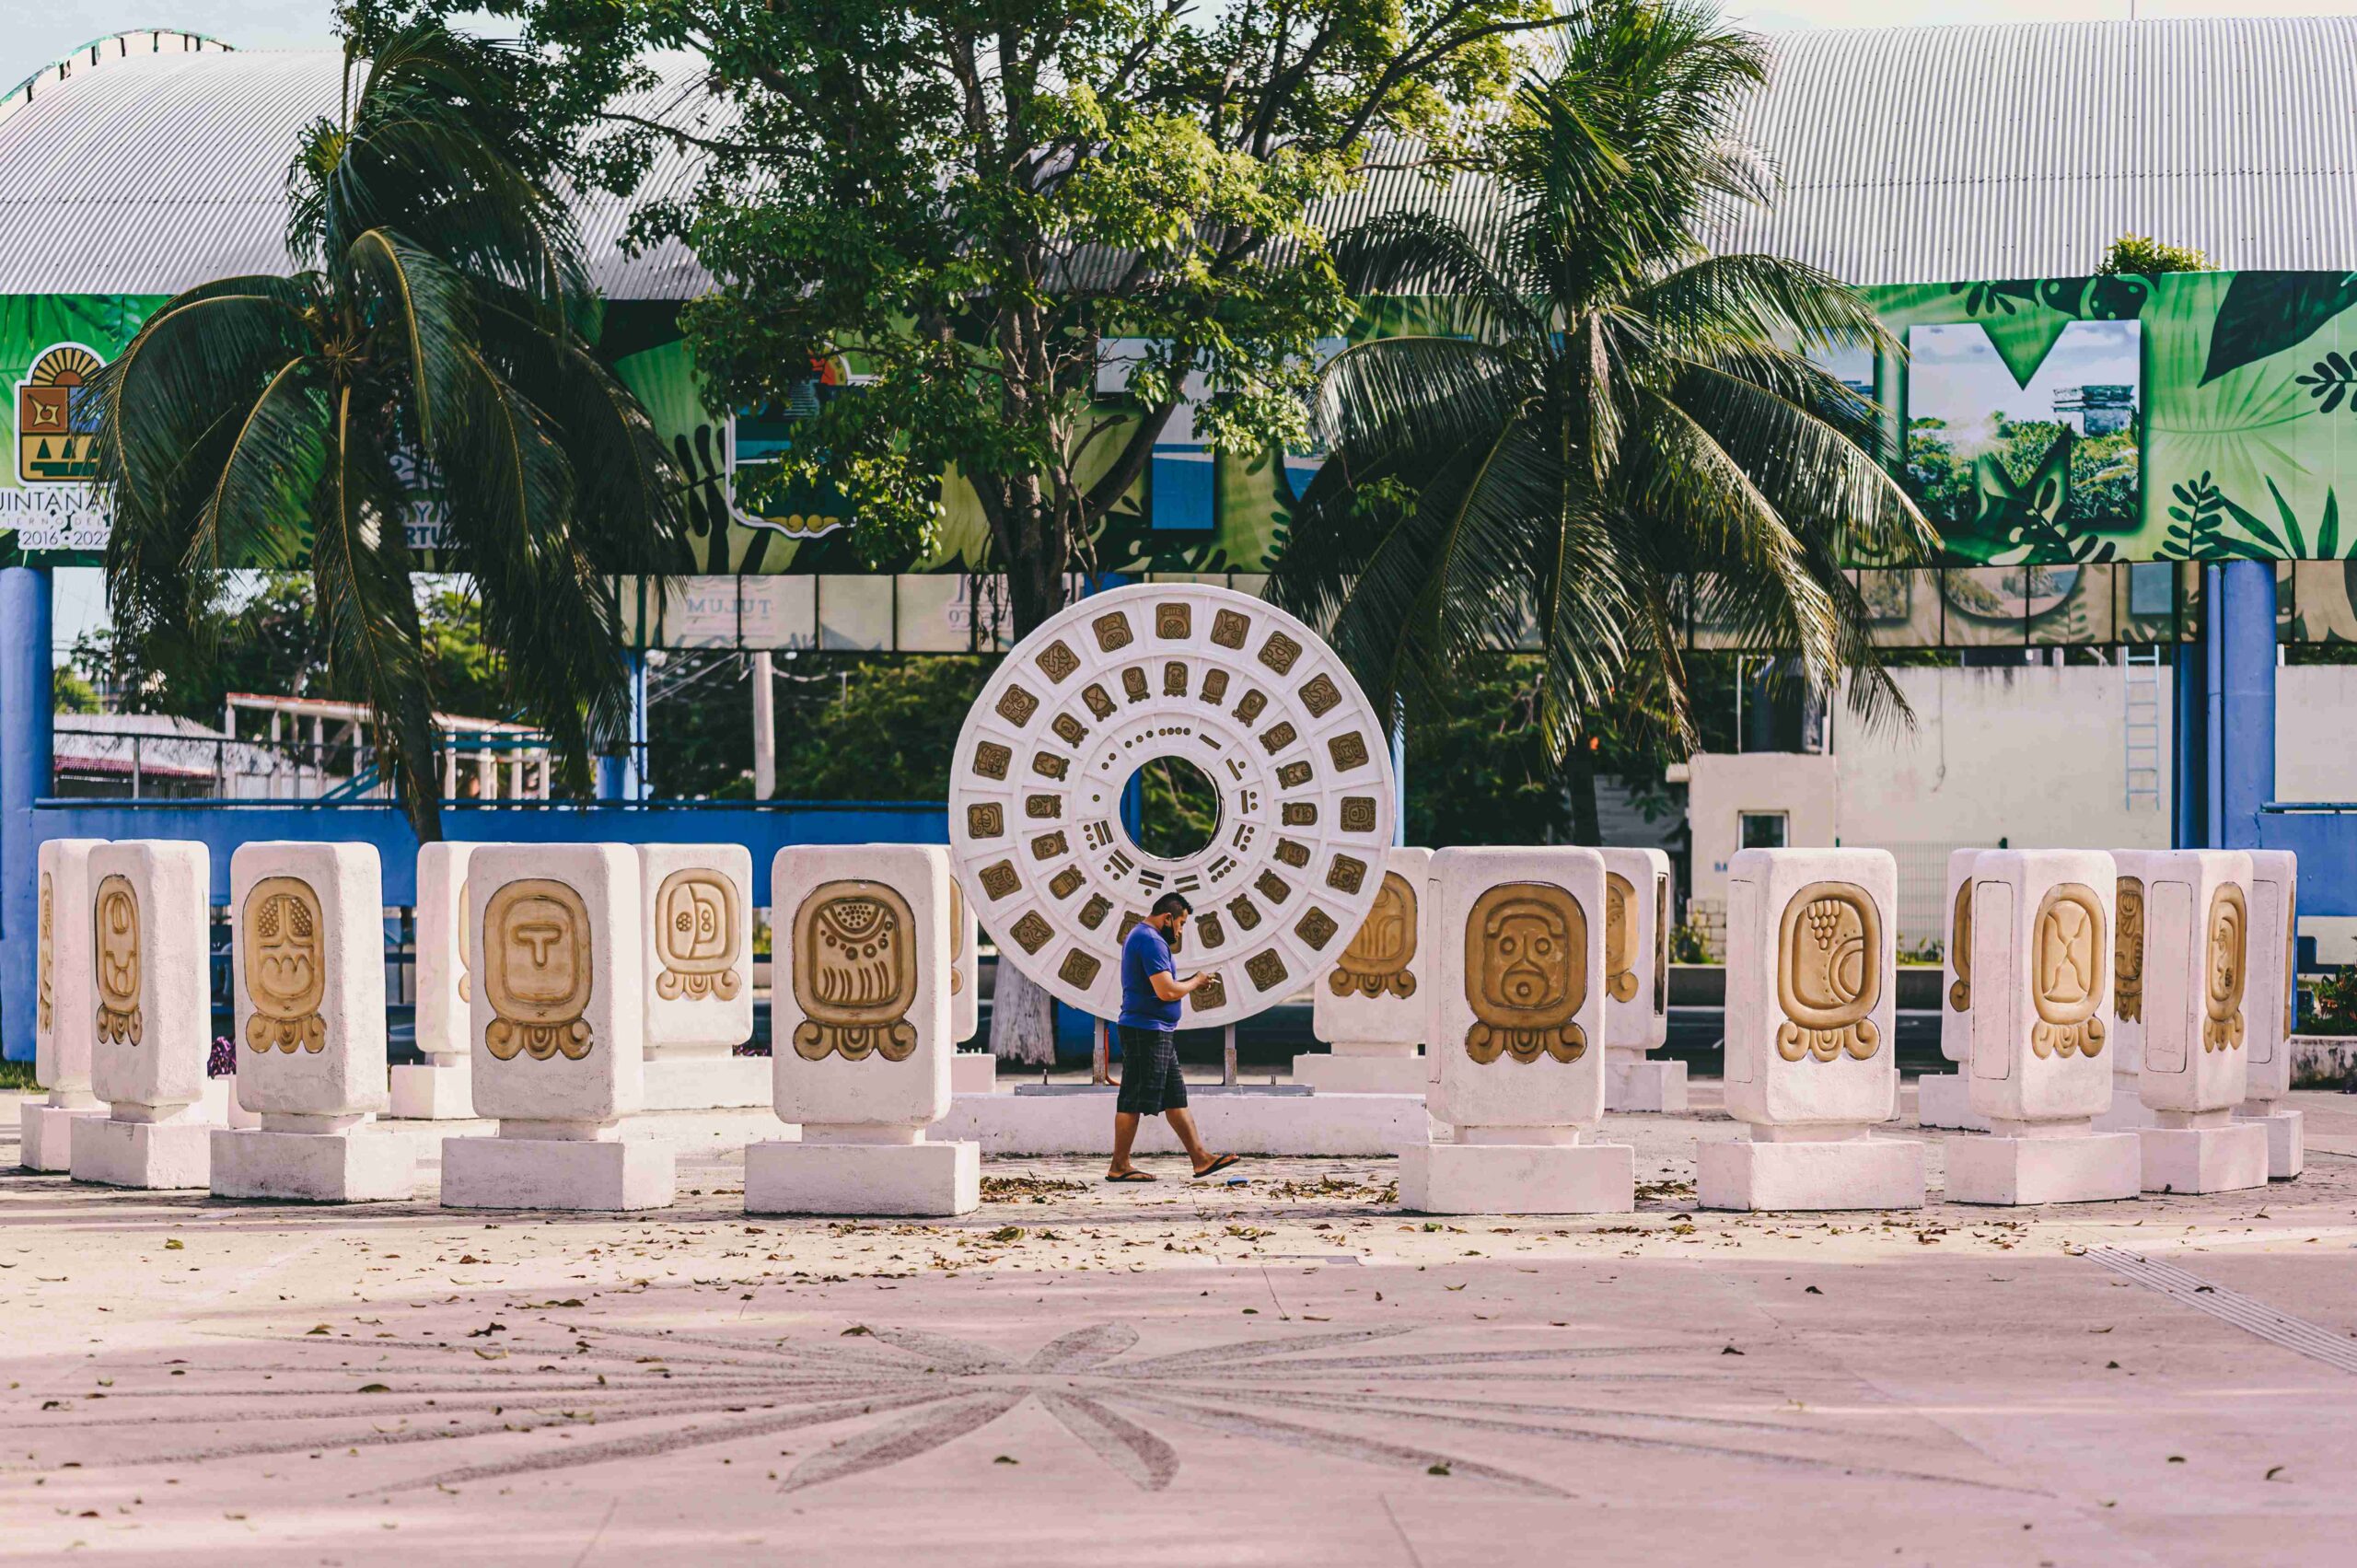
47, 968
1620, 937
854, 972
1526, 974
285, 966
2222, 969
1828, 973
1960, 947
538, 967
695, 936
2128, 953
114, 943
1376, 963
2066, 973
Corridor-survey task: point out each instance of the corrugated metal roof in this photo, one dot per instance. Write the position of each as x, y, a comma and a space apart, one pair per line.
1909, 155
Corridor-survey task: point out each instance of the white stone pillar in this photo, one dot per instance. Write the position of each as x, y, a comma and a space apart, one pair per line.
64, 1021
860, 1048
1944, 1099
153, 1017
440, 1089
2272, 1008
699, 963
1638, 897
2197, 1028
1373, 1005
1812, 1019
307, 966
975, 1071
2043, 1024
1515, 1024
2128, 1111
558, 1033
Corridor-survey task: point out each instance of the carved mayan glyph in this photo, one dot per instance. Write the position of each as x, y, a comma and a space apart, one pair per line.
1376, 963
1661, 944
2128, 953
47, 964
695, 936
285, 966
1960, 947
854, 972
2223, 970
114, 940
1619, 938
1828, 973
957, 936
2067, 953
538, 968
1526, 974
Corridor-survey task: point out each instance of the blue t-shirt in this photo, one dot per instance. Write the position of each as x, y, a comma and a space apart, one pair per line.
1144, 955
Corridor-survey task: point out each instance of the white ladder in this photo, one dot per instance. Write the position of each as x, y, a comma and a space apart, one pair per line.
2140, 696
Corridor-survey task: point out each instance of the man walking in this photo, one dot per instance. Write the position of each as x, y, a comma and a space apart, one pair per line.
1151, 992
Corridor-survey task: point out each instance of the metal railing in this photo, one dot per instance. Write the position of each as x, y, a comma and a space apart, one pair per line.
110, 764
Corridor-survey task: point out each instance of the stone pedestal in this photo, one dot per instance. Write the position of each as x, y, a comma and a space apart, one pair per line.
46, 1131
1944, 1099
2128, 1112
440, 1090
1491, 1170
313, 1159
166, 1155
1776, 1168
2048, 1164
2287, 1144
1364, 1067
1634, 1083
1955, 971
971, 1073
842, 1171
221, 1106
517, 1170
706, 1082
2204, 1152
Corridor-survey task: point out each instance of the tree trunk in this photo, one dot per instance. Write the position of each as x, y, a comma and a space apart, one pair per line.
1023, 1019
1580, 767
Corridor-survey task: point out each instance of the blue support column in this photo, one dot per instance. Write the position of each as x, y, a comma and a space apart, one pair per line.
623, 777
24, 749
2242, 738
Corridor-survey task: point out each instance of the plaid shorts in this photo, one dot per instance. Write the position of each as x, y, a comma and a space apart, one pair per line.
1150, 1079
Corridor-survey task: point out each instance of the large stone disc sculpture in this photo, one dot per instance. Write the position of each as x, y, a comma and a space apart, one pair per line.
1245, 692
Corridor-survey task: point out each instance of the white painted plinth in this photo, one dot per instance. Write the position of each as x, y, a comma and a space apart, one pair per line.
2129, 1113
2084, 1168
1518, 1178
47, 1134
1823, 1173
706, 1082
1944, 1099
1362, 1072
2287, 1139
973, 1073
1638, 1084
221, 1104
921, 1178
600, 1173
1306, 1125
166, 1155
2222, 1157
441, 1090
349, 1167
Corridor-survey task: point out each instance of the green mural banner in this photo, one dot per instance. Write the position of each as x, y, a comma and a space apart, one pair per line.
2057, 422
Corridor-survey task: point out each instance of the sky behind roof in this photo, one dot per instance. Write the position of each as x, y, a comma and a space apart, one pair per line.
39, 34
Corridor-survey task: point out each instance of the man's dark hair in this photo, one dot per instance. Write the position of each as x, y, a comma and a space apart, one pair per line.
1172, 903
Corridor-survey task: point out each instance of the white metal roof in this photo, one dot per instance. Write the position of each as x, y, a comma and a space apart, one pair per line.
1910, 155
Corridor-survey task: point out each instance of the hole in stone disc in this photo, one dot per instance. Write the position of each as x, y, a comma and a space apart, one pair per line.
1178, 808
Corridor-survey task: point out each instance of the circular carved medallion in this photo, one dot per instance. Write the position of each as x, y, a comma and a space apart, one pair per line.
1239, 688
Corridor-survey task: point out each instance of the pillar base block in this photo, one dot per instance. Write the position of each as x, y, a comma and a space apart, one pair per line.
1518, 1178
2090, 1168
908, 1180
48, 1135
158, 1155
441, 1090
1815, 1174
2228, 1158
2287, 1137
351, 1166
1637, 1085
1944, 1099
601, 1175
973, 1073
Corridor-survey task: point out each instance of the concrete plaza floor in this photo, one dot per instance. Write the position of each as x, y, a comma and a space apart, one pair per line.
1287, 1372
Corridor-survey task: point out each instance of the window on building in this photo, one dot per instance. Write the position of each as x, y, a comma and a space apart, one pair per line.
1764, 829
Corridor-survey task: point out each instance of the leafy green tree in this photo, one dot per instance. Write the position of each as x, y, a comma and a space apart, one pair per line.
876, 728
2150, 257
428, 358
961, 201
1605, 411
70, 692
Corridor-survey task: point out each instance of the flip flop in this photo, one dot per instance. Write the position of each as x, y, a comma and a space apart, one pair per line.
1134, 1176
1215, 1166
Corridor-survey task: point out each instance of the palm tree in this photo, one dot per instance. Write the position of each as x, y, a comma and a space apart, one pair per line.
426, 360
1601, 418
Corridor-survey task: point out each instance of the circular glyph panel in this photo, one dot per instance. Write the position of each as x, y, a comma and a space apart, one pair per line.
1247, 693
